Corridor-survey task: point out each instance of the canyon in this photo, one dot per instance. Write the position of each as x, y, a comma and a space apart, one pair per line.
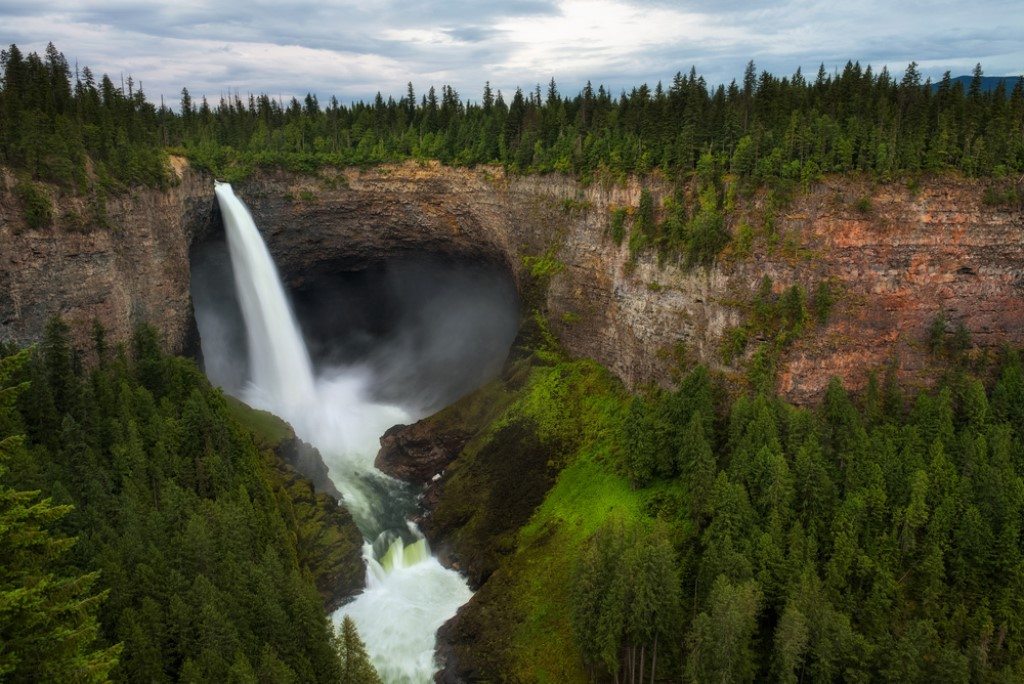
897, 256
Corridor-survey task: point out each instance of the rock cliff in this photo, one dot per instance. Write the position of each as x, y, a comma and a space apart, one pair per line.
898, 257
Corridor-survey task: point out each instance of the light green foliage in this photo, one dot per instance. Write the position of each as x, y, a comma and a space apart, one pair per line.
270, 429
743, 240
544, 266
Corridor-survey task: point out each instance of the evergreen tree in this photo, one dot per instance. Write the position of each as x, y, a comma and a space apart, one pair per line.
355, 663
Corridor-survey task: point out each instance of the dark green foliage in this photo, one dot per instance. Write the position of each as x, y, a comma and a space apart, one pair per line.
206, 551
35, 203
779, 319
706, 236
1007, 195
948, 340
824, 299
618, 224
355, 663
626, 599
48, 610
937, 333
53, 122
842, 543
642, 234
775, 131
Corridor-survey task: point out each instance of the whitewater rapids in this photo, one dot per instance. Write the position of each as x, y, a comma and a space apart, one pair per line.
408, 594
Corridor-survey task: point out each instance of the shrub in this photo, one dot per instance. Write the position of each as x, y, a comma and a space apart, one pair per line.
35, 203
618, 224
824, 298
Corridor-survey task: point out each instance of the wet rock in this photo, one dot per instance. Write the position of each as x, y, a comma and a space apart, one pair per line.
418, 453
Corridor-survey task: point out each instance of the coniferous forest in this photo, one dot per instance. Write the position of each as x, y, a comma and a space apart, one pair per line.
147, 536
712, 532
92, 134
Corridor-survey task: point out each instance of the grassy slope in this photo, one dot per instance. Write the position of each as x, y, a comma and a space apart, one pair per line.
267, 427
519, 625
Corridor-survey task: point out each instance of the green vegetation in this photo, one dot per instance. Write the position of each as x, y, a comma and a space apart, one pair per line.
687, 534
544, 266
1008, 195
766, 129
714, 144
355, 662
35, 204
170, 545
779, 319
48, 610
618, 224
84, 135
644, 230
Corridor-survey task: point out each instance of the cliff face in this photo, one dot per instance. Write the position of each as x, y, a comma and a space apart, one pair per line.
897, 260
131, 271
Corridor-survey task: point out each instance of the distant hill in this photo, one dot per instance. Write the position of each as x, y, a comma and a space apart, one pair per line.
988, 83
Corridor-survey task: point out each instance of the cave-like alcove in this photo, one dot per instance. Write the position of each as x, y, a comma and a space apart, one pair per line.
429, 327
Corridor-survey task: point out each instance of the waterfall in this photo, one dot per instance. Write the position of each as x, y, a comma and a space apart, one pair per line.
409, 594
279, 361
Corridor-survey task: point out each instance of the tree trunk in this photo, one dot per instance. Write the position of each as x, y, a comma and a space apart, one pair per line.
654, 658
643, 648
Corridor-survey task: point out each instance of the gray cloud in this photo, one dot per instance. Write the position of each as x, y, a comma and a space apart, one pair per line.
355, 48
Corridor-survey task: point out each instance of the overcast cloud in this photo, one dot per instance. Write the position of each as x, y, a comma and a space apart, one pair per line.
354, 49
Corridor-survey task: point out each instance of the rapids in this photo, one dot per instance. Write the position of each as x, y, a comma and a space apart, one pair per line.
408, 594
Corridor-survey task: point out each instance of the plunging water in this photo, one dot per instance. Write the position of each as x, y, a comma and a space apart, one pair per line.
408, 593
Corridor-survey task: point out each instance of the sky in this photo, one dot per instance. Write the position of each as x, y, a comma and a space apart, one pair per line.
355, 49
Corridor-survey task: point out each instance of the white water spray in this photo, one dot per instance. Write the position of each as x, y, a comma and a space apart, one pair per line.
409, 594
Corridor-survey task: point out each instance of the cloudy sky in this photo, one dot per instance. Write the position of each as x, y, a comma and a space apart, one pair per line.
355, 48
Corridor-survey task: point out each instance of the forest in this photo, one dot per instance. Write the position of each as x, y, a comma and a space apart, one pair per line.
147, 536
92, 135
711, 534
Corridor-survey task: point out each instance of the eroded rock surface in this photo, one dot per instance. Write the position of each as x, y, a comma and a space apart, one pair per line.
897, 264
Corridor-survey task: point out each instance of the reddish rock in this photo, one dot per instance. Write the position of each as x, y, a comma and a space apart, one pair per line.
897, 264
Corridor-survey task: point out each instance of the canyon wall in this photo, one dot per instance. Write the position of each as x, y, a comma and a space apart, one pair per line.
896, 256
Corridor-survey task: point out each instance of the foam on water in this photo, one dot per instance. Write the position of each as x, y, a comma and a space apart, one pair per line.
409, 594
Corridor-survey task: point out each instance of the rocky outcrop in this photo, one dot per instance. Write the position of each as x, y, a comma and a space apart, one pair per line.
417, 453
330, 544
897, 256
305, 459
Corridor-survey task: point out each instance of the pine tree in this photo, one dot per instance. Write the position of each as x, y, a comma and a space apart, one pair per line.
355, 662
48, 615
